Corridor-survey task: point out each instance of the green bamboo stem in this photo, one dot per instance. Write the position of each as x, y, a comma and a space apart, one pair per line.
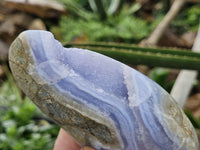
146, 56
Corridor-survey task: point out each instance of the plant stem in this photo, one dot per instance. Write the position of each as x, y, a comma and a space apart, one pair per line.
146, 56
131, 47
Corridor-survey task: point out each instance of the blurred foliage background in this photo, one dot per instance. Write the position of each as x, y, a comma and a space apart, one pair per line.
22, 125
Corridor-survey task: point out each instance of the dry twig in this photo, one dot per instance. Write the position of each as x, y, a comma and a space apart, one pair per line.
158, 32
185, 79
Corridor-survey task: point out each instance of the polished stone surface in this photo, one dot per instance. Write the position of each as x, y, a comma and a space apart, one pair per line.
98, 100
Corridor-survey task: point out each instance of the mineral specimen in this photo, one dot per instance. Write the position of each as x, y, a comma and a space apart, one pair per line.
101, 102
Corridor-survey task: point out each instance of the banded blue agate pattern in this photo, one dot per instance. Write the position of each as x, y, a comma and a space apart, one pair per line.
101, 102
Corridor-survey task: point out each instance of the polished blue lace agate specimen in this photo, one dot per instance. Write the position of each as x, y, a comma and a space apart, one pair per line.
101, 102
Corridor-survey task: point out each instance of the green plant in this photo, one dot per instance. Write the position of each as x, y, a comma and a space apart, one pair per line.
98, 8
188, 19
121, 28
124, 26
193, 19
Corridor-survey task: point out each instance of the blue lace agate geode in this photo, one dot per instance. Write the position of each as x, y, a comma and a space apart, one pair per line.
101, 102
